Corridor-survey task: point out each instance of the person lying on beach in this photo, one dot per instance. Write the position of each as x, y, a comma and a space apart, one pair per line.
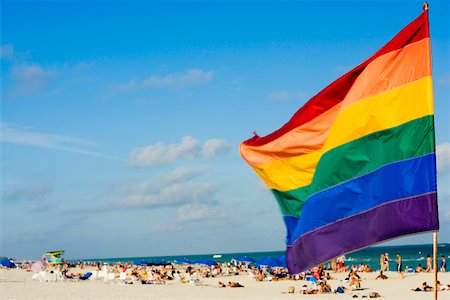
221, 284
157, 277
234, 284
73, 275
305, 291
381, 276
340, 290
424, 288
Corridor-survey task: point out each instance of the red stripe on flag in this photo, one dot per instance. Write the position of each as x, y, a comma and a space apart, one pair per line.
336, 91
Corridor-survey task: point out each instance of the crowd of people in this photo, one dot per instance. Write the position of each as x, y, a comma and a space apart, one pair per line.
317, 278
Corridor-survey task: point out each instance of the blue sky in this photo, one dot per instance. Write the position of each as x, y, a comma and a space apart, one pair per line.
121, 120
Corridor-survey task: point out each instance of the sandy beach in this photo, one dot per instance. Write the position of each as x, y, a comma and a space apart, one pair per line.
18, 284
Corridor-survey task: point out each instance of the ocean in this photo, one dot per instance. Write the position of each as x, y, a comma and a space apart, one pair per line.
412, 255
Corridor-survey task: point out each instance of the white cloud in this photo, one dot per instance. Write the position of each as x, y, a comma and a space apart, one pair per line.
443, 157
188, 148
286, 95
174, 194
177, 80
444, 214
181, 174
279, 96
28, 193
166, 227
6, 51
196, 212
171, 189
214, 147
162, 154
14, 134
30, 79
181, 79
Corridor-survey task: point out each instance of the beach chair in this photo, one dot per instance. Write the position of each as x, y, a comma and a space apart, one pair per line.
122, 277
85, 276
268, 277
59, 276
40, 276
177, 277
194, 280
94, 275
110, 277
311, 279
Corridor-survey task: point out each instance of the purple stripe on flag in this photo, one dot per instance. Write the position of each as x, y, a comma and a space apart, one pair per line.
393, 219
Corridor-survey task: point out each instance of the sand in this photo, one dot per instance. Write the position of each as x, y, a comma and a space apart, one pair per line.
18, 284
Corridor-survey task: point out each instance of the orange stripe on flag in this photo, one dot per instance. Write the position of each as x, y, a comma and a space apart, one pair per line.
387, 72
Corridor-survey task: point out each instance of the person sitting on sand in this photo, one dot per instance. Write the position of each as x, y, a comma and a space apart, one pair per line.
381, 276
158, 278
234, 284
143, 274
354, 280
419, 269
221, 284
316, 273
327, 276
260, 276
324, 288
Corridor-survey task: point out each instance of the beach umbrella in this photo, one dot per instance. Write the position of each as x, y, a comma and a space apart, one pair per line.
159, 262
282, 261
268, 261
245, 259
183, 261
38, 266
203, 261
7, 263
141, 262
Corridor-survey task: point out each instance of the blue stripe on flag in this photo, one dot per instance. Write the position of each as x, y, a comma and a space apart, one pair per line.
393, 181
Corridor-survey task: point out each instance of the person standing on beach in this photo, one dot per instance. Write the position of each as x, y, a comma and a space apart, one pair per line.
340, 261
429, 264
334, 265
382, 263
399, 265
443, 264
386, 259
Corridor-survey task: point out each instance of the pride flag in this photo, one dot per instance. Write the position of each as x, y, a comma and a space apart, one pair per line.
356, 164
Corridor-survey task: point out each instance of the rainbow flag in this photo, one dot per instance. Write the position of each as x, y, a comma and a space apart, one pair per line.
356, 164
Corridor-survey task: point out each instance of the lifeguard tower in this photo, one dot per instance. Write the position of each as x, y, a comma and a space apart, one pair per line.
54, 257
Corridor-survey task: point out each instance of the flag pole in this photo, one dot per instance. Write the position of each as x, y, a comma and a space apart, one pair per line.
435, 256
425, 7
